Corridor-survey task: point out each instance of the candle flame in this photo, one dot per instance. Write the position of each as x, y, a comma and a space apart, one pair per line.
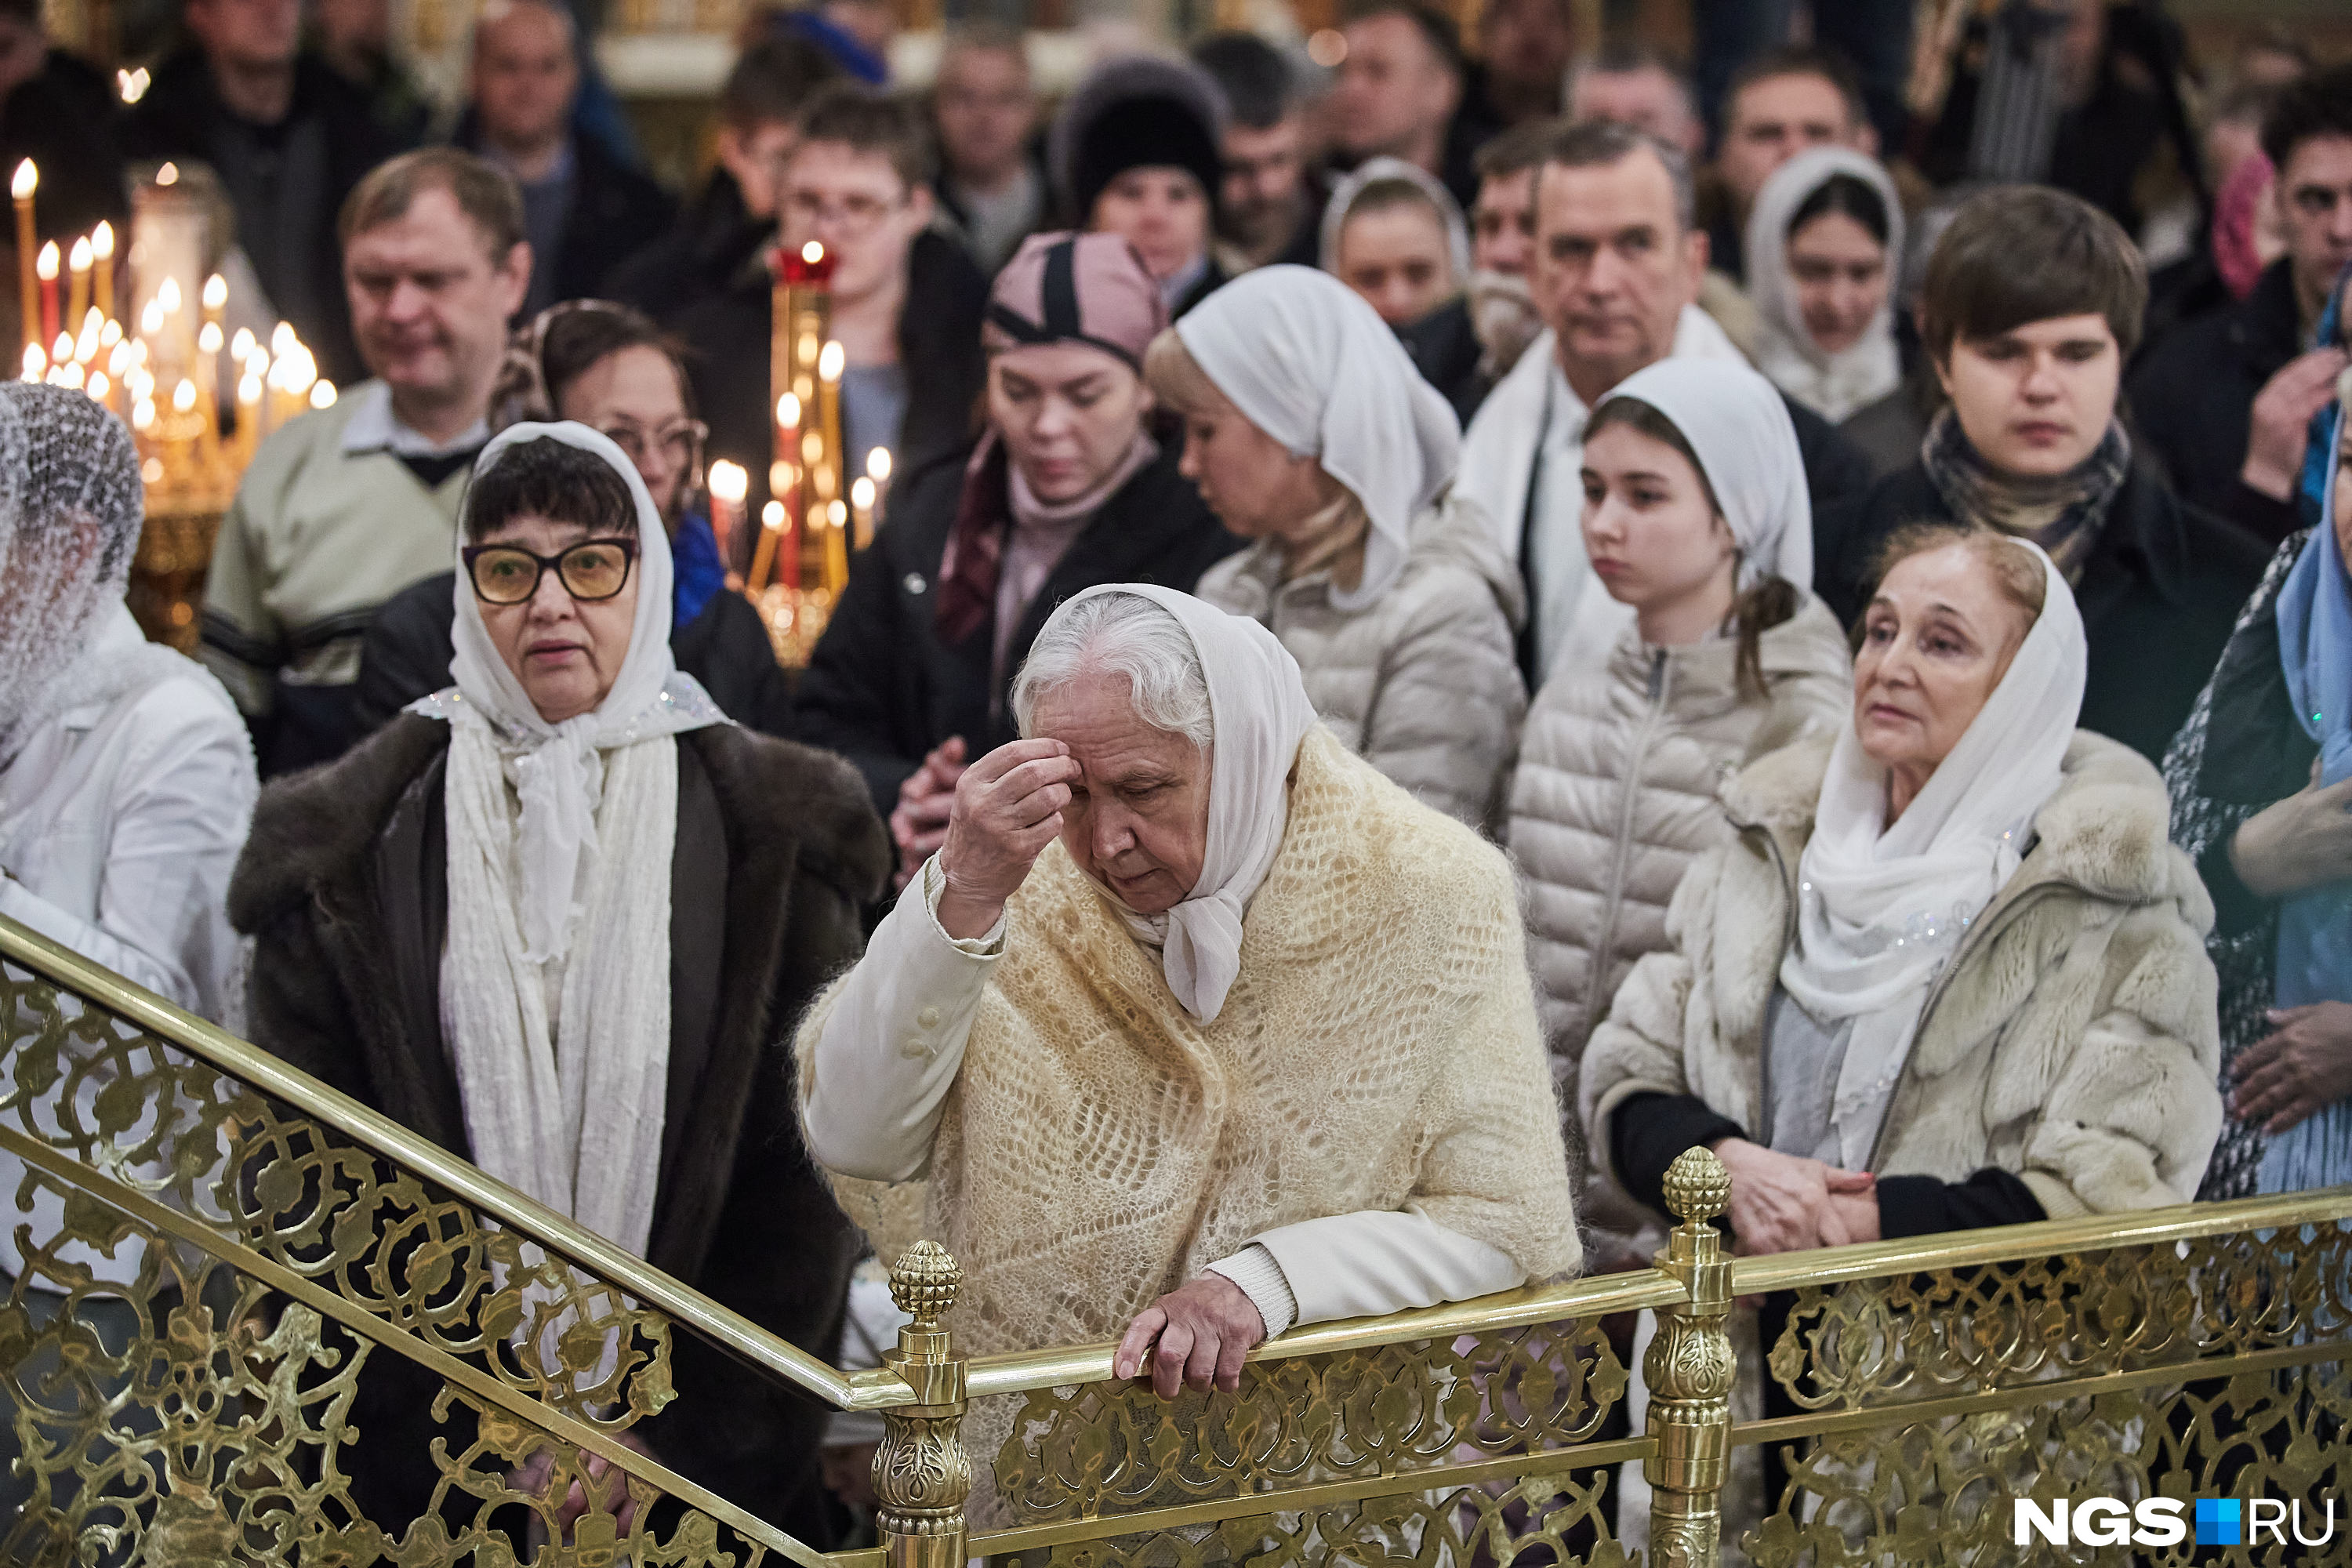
877, 465
830, 363
240, 347
69, 374
787, 411
838, 513
861, 493
811, 253
110, 333
26, 179
45, 264
169, 174
61, 350
99, 387
215, 292
36, 362
209, 341
771, 517
248, 391
143, 414
86, 345
101, 241
168, 295
78, 258
323, 395
183, 397
729, 482
281, 338
151, 320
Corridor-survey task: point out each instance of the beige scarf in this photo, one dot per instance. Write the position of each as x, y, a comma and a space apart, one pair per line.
1379, 1049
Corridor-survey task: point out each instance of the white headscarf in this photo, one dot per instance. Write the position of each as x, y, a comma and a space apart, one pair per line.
558, 861
1832, 385
1343, 196
1308, 363
1739, 428
1259, 712
1883, 908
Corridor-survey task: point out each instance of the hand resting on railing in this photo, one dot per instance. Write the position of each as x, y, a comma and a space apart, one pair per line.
1194, 1337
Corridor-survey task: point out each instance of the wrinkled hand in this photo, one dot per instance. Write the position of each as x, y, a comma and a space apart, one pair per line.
1204, 1329
608, 1478
2305, 1065
2302, 841
919, 824
1780, 1203
1008, 807
2282, 420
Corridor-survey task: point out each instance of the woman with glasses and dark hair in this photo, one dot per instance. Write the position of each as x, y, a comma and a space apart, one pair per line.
556, 917
612, 370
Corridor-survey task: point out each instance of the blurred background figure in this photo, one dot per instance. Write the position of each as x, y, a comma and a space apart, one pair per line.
62, 112
1780, 104
1629, 85
1502, 248
1393, 235
1824, 244
992, 180
1271, 190
289, 140
1525, 49
356, 38
1135, 152
1396, 91
584, 210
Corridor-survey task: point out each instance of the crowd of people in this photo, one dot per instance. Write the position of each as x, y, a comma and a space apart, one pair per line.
1431, 646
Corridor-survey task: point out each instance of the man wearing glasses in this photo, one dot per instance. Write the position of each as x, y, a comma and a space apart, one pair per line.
343, 508
858, 184
609, 368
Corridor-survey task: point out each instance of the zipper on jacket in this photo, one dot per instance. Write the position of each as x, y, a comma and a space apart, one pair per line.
1606, 938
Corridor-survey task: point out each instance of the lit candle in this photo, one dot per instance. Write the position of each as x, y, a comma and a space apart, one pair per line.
208, 348
729, 485
878, 469
214, 297
37, 363
861, 509
831, 360
773, 519
77, 274
248, 419
44, 265
86, 346
101, 255
837, 547
21, 187
323, 395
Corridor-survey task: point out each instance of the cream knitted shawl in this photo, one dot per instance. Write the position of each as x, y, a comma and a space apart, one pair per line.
1379, 1050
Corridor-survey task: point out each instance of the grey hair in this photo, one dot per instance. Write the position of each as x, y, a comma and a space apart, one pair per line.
1129, 634
1592, 143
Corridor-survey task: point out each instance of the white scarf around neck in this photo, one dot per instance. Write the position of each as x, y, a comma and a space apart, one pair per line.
555, 978
1834, 385
1882, 907
1258, 713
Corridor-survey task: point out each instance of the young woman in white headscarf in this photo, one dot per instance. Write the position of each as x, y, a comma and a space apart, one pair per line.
1947, 972
1695, 518
1824, 247
556, 917
1197, 1026
1394, 234
1310, 434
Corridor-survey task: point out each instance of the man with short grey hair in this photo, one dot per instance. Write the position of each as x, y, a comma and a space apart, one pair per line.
1615, 276
345, 507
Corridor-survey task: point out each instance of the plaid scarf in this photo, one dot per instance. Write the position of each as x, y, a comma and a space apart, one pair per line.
2062, 513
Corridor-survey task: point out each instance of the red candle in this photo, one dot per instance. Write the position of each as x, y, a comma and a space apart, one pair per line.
47, 269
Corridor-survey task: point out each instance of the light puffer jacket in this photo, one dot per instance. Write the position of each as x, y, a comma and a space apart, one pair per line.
1422, 683
2071, 1041
1616, 794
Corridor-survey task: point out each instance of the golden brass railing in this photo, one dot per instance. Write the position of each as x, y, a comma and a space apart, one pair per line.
291, 1235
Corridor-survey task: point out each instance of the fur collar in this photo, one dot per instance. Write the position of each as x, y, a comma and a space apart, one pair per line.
315, 830
2105, 832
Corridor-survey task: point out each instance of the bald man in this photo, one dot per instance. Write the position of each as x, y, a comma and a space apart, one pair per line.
584, 210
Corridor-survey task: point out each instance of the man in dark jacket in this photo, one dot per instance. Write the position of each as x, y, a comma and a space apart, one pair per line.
907, 302
288, 140
2226, 402
583, 209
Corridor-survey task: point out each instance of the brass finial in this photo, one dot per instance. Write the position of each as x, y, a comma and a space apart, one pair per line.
924, 1282
1698, 1187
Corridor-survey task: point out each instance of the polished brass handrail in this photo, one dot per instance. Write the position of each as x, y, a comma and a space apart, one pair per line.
729, 1330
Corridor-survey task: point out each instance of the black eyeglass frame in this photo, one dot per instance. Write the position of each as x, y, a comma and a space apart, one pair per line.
541, 565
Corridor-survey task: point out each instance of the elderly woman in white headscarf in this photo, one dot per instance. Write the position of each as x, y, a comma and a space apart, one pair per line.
556, 917
1825, 247
1696, 522
1310, 434
1197, 1026
1947, 972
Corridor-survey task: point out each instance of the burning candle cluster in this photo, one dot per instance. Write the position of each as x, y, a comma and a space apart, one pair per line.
165, 371
800, 559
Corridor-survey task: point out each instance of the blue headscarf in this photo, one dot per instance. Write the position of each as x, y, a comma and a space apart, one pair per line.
2314, 938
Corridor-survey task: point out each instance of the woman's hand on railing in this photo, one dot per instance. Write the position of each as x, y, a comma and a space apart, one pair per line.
609, 1479
1196, 1335
2305, 1063
1782, 1202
